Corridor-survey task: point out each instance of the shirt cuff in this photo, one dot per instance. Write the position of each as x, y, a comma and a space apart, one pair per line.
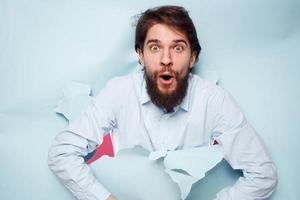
98, 192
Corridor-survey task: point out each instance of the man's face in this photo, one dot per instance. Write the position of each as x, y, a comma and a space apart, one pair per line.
167, 58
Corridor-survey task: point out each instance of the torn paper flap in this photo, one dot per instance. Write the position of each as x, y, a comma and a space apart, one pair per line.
76, 98
184, 181
155, 155
196, 161
188, 166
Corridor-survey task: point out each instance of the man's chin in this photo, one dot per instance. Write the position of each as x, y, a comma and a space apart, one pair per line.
166, 92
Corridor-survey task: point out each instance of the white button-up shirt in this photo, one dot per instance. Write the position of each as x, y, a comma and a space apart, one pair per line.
124, 109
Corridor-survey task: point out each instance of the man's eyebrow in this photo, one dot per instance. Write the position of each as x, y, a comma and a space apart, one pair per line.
153, 41
180, 40
174, 41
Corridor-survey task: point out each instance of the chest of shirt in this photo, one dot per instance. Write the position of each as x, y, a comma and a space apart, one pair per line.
148, 126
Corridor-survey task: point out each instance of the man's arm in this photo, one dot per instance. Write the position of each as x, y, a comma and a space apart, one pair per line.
244, 150
69, 147
66, 161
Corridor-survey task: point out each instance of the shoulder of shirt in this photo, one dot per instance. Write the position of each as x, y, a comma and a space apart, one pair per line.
206, 87
123, 84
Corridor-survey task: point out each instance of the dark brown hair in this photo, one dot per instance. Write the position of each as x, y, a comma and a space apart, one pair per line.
174, 16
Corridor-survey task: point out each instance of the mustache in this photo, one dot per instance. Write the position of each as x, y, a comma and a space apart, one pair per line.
167, 69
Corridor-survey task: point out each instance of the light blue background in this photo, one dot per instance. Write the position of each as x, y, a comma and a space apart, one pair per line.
253, 45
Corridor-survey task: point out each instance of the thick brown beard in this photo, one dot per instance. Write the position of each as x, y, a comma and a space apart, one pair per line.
166, 101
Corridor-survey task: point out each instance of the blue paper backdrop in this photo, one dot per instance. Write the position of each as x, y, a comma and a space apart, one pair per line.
253, 45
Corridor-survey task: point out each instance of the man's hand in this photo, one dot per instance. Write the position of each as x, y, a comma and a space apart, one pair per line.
111, 197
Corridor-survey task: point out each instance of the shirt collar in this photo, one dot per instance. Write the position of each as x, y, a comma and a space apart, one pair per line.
184, 104
144, 95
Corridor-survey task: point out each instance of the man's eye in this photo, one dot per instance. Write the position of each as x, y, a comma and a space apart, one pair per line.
178, 48
154, 48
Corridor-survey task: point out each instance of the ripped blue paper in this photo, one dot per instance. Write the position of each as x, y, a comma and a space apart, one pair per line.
76, 96
190, 165
155, 175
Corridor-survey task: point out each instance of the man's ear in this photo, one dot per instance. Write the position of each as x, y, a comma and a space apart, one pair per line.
193, 59
141, 57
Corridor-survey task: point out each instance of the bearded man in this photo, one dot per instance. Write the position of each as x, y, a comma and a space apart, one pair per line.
164, 107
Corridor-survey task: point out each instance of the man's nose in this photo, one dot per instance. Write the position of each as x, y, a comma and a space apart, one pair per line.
166, 58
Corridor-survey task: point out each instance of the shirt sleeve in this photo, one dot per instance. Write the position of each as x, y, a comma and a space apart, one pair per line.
66, 154
244, 150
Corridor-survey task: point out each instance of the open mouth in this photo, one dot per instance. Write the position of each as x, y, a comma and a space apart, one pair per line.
166, 77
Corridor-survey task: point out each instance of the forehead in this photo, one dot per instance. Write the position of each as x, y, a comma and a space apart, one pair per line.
165, 34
